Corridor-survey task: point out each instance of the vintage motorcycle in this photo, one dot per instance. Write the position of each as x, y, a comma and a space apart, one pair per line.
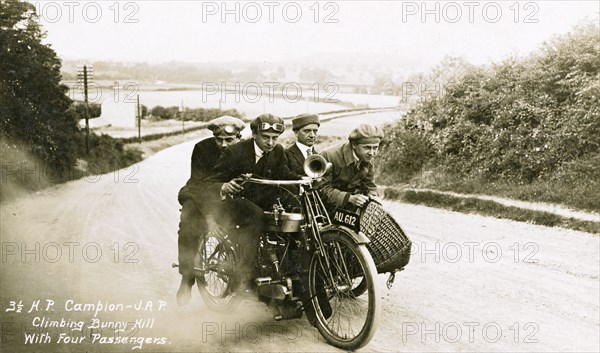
306, 263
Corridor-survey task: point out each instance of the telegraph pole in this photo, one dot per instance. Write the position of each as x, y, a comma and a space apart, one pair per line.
182, 119
139, 120
83, 75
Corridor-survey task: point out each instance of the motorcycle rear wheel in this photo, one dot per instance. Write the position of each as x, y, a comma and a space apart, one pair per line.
214, 266
344, 319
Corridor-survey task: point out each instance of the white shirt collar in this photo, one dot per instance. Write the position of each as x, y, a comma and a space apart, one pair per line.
257, 152
303, 148
356, 159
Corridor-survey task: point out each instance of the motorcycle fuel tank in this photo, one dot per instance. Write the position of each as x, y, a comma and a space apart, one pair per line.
284, 222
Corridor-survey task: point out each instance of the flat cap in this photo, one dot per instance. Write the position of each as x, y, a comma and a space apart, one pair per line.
227, 124
305, 119
366, 133
267, 122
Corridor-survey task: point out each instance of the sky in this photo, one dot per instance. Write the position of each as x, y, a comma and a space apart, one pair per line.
278, 31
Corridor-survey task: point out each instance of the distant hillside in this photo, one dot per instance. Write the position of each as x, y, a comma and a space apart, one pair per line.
343, 68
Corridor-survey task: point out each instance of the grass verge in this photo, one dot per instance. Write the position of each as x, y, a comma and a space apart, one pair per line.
578, 192
148, 148
489, 208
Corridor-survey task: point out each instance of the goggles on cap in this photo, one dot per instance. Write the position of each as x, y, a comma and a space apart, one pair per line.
228, 129
276, 126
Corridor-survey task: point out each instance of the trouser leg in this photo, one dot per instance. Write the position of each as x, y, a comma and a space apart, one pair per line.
191, 227
248, 220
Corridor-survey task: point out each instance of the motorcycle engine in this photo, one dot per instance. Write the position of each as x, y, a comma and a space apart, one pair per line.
280, 255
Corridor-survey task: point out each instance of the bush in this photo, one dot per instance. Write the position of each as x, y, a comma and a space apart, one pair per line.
161, 112
403, 154
196, 114
77, 109
521, 120
106, 155
206, 114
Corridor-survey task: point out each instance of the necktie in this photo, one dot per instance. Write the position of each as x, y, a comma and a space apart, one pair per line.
309, 151
262, 158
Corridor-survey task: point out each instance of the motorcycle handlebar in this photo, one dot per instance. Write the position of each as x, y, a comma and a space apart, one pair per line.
247, 179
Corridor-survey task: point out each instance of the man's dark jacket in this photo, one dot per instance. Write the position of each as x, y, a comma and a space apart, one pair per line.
204, 157
295, 160
240, 159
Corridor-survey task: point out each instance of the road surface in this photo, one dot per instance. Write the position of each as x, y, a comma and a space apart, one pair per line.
474, 283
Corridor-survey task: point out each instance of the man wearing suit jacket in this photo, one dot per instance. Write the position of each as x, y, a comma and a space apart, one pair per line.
242, 217
226, 132
306, 128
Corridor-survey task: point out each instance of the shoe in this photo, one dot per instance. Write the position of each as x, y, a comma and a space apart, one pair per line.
184, 294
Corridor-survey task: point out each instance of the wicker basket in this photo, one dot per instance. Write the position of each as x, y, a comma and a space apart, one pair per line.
389, 246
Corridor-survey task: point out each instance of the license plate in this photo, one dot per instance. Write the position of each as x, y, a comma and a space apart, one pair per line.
346, 218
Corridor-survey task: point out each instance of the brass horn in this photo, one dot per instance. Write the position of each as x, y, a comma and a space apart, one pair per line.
315, 166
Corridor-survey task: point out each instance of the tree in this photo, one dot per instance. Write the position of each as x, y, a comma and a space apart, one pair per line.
315, 75
165, 113
33, 103
78, 110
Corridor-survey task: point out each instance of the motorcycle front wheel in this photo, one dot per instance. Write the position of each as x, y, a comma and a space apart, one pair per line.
346, 320
214, 266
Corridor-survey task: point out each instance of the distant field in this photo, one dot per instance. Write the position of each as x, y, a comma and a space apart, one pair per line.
251, 104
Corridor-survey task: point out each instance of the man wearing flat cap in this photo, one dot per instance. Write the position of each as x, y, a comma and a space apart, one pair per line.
306, 128
192, 197
349, 182
242, 217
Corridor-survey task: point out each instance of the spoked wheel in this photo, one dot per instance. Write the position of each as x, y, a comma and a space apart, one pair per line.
214, 266
359, 286
345, 319
359, 283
